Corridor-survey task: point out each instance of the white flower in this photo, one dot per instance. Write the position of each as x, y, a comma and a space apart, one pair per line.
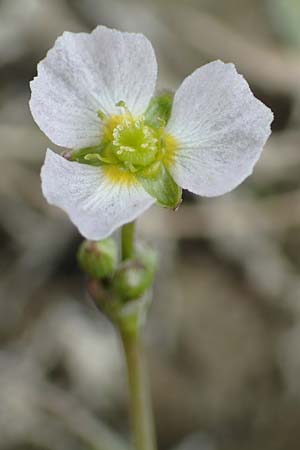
93, 96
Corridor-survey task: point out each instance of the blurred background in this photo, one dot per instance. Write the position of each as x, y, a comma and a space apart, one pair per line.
223, 338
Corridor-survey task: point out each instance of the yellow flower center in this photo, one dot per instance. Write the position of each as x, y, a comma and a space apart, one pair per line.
137, 149
130, 146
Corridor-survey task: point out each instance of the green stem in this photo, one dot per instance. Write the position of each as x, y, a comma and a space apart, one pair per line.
140, 400
143, 432
127, 236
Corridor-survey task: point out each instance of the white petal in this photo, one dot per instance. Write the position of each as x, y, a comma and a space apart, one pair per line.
221, 129
84, 73
95, 205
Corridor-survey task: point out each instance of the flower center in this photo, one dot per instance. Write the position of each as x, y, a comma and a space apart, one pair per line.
137, 150
130, 144
134, 143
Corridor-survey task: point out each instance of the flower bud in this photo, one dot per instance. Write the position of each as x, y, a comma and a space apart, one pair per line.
98, 259
135, 276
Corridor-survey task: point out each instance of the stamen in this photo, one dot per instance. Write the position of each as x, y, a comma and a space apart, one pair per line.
126, 123
123, 105
96, 157
101, 115
130, 166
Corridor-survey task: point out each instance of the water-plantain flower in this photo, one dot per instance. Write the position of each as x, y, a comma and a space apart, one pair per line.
127, 149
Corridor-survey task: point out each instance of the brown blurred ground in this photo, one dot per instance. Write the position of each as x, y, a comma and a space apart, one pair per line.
224, 332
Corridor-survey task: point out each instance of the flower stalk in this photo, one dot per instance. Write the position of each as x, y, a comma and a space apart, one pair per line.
127, 240
122, 291
142, 422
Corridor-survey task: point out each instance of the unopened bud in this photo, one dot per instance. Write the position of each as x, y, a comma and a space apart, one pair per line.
98, 259
135, 276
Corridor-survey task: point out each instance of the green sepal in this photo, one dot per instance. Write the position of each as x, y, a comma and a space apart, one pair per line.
98, 259
157, 181
159, 110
